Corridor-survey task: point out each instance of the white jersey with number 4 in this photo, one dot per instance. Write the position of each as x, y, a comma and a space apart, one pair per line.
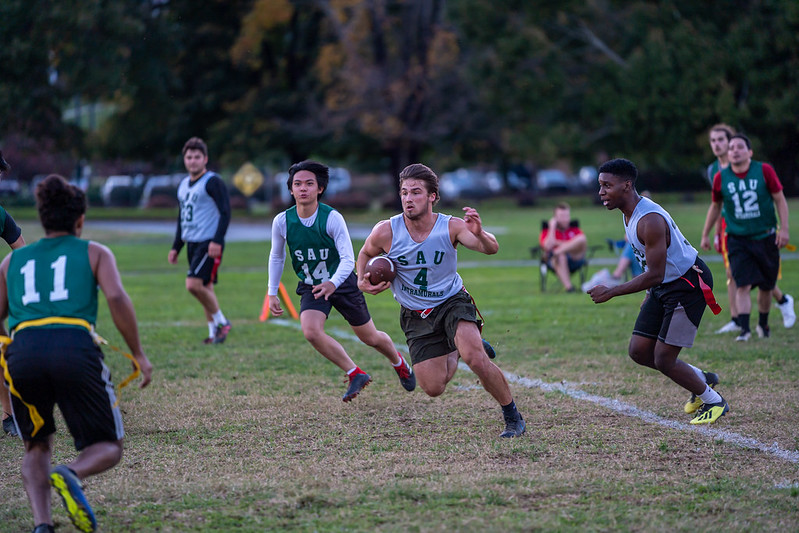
427, 271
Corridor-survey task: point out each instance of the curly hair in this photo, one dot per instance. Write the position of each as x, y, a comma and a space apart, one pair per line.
623, 168
60, 204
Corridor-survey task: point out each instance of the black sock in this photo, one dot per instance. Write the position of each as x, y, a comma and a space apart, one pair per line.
509, 411
762, 320
782, 300
743, 321
737, 321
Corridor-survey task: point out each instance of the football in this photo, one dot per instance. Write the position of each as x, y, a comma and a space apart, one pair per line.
380, 268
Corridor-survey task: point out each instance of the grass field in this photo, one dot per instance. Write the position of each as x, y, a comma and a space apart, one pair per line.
252, 435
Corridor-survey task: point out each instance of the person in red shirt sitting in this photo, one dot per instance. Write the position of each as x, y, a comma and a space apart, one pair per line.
564, 246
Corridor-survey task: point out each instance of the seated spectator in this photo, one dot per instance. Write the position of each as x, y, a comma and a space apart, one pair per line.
564, 245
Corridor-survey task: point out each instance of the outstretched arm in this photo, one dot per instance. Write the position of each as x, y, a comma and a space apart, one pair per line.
469, 232
122, 312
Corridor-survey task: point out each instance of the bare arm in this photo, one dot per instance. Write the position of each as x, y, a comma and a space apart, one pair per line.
783, 237
713, 215
122, 312
378, 242
550, 241
19, 243
653, 233
469, 232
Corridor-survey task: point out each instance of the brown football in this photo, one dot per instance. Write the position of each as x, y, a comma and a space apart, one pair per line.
380, 268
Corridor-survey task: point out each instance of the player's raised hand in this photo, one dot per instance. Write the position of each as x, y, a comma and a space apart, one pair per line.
472, 219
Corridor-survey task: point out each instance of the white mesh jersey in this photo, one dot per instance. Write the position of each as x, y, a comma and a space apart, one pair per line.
680, 255
427, 271
199, 216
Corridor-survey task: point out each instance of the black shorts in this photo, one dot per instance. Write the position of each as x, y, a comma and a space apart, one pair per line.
672, 311
754, 262
574, 264
63, 366
434, 335
201, 265
347, 299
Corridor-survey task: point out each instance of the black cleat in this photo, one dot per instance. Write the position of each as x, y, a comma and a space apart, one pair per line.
406, 376
514, 427
9, 427
357, 383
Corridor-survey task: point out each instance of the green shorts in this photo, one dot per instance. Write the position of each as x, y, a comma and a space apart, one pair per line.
434, 335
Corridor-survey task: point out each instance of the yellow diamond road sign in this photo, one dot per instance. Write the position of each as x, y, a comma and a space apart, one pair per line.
248, 179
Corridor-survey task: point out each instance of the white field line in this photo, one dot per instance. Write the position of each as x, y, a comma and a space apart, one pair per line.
609, 403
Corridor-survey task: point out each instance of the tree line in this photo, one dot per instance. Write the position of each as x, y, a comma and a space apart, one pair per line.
377, 84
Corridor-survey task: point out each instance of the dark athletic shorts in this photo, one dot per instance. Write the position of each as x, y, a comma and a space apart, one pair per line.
347, 299
200, 264
754, 262
574, 264
434, 335
672, 311
63, 366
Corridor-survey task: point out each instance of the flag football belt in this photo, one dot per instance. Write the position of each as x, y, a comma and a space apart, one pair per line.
707, 292
424, 313
36, 418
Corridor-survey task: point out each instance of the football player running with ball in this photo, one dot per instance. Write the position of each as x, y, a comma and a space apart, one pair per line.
322, 256
438, 316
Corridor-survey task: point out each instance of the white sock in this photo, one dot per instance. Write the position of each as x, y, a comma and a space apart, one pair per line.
698, 373
219, 318
351, 370
710, 396
401, 362
211, 329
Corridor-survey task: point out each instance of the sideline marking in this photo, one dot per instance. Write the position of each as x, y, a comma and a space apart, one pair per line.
609, 403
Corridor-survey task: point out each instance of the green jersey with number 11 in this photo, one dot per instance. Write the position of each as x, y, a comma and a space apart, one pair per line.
51, 278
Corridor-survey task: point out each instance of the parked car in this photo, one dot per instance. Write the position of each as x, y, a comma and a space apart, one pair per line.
469, 183
158, 188
553, 181
587, 177
9, 187
122, 190
339, 182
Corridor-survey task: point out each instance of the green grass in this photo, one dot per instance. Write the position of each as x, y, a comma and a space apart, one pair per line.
252, 435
